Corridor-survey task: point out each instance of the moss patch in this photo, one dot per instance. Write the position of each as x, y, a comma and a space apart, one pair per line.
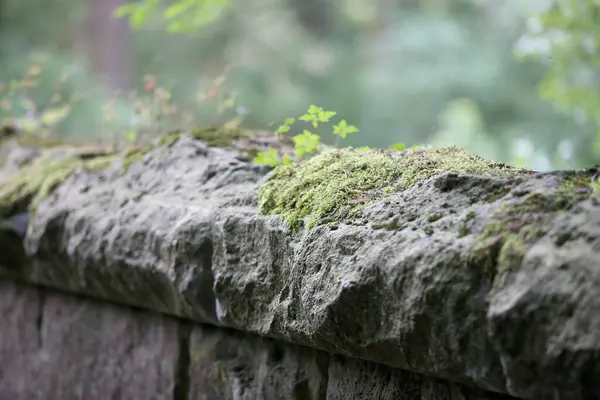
464, 229
221, 137
32, 141
135, 154
515, 226
392, 225
27, 187
434, 217
337, 183
497, 193
214, 137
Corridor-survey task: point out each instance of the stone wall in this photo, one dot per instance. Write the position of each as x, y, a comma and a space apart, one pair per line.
418, 274
59, 346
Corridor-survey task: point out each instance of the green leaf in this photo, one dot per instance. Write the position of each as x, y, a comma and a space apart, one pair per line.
176, 9
282, 129
137, 19
313, 119
53, 116
325, 116
124, 10
130, 135
306, 117
342, 129
269, 157
305, 143
398, 146
314, 110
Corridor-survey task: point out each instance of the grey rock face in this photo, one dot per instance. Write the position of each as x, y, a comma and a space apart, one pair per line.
232, 365
56, 346
179, 233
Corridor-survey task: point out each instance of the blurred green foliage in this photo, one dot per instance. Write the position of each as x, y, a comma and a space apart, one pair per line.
181, 15
413, 71
565, 35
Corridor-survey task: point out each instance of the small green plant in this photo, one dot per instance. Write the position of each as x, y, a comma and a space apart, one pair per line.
342, 129
269, 157
155, 111
307, 142
19, 112
398, 146
181, 16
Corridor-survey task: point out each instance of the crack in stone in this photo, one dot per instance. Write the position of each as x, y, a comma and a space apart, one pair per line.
39, 322
181, 389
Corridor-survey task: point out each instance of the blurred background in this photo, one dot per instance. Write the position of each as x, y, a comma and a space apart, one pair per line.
515, 81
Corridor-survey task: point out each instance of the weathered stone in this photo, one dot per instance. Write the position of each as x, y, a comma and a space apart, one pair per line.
231, 365
59, 347
486, 278
64, 347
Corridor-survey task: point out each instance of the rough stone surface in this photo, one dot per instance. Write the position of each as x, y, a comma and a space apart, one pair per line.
232, 365
62, 347
13, 156
178, 232
54, 346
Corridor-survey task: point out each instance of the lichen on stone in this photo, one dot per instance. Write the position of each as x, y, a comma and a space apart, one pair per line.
24, 189
33, 141
515, 225
337, 183
135, 154
213, 136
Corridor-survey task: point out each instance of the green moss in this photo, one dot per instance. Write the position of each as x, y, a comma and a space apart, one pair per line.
33, 141
428, 230
498, 193
392, 225
434, 217
464, 231
470, 216
411, 217
134, 155
249, 155
337, 183
169, 138
515, 226
214, 137
221, 137
32, 183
